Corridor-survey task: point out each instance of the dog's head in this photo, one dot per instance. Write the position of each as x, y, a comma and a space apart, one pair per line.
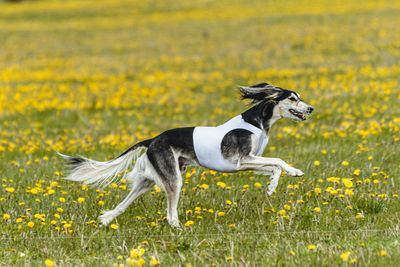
287, 103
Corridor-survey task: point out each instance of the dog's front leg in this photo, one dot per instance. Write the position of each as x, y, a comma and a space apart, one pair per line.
271, 166
275, 162
274, 174
273, 171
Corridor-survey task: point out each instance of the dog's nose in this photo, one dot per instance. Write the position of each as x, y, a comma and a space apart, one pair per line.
310, 109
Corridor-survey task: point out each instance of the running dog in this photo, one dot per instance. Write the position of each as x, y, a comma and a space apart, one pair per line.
236, 145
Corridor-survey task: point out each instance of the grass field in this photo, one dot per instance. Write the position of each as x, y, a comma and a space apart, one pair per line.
94, 77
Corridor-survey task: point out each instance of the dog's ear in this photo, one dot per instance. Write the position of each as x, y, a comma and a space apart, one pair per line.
260, 92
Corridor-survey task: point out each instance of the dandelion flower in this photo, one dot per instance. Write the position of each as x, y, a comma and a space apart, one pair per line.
49, 263
188, 223
311, 247
347, 182
345, 256
383, 253
317, 209
154, 261
114, 226
10, 189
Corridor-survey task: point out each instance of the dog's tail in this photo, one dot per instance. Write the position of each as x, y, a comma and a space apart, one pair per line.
104, 173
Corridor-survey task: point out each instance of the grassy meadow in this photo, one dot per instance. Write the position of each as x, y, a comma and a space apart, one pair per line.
94, 77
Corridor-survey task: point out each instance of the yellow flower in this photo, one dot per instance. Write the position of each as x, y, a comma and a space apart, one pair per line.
287, 207
228, 202
31, 224
67, 225
154, 261
317, 190
345, 255
188, 223
204, 186
347, 182
114, 226
382, 253
282, 212
349, 192
10, 189
81, 199
137, 252
221, 184
311, 247
62, 199
34, 191
345, 163
317, 163
49, 263
221, 213
141, 262
317, 209
258, 185
6, 216
100, 203
292, 252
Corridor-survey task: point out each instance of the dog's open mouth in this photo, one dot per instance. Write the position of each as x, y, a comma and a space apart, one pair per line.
300, 115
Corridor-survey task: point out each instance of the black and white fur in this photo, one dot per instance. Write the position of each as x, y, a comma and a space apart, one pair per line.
167, 154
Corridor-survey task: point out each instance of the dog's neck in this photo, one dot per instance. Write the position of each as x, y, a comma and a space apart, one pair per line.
263, 115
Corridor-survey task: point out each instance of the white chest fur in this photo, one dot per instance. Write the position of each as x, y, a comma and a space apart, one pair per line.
207, 143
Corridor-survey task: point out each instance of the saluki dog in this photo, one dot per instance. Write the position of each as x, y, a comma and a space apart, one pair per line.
236, 145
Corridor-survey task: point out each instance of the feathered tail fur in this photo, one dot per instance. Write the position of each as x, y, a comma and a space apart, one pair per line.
104, 173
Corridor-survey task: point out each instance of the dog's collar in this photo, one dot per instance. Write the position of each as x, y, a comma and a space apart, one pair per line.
277, 102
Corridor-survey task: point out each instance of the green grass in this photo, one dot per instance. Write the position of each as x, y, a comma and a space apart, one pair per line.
93, 78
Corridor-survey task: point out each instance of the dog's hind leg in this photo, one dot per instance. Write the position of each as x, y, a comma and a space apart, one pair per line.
166, 164
140, 184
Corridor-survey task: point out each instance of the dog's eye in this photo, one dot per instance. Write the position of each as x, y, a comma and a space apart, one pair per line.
292, 98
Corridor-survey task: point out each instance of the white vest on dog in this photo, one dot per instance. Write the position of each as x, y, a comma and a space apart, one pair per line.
207, 143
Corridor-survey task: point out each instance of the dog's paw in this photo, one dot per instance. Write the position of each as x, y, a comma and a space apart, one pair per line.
270, 191
107, 217
175, 223
294, 172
